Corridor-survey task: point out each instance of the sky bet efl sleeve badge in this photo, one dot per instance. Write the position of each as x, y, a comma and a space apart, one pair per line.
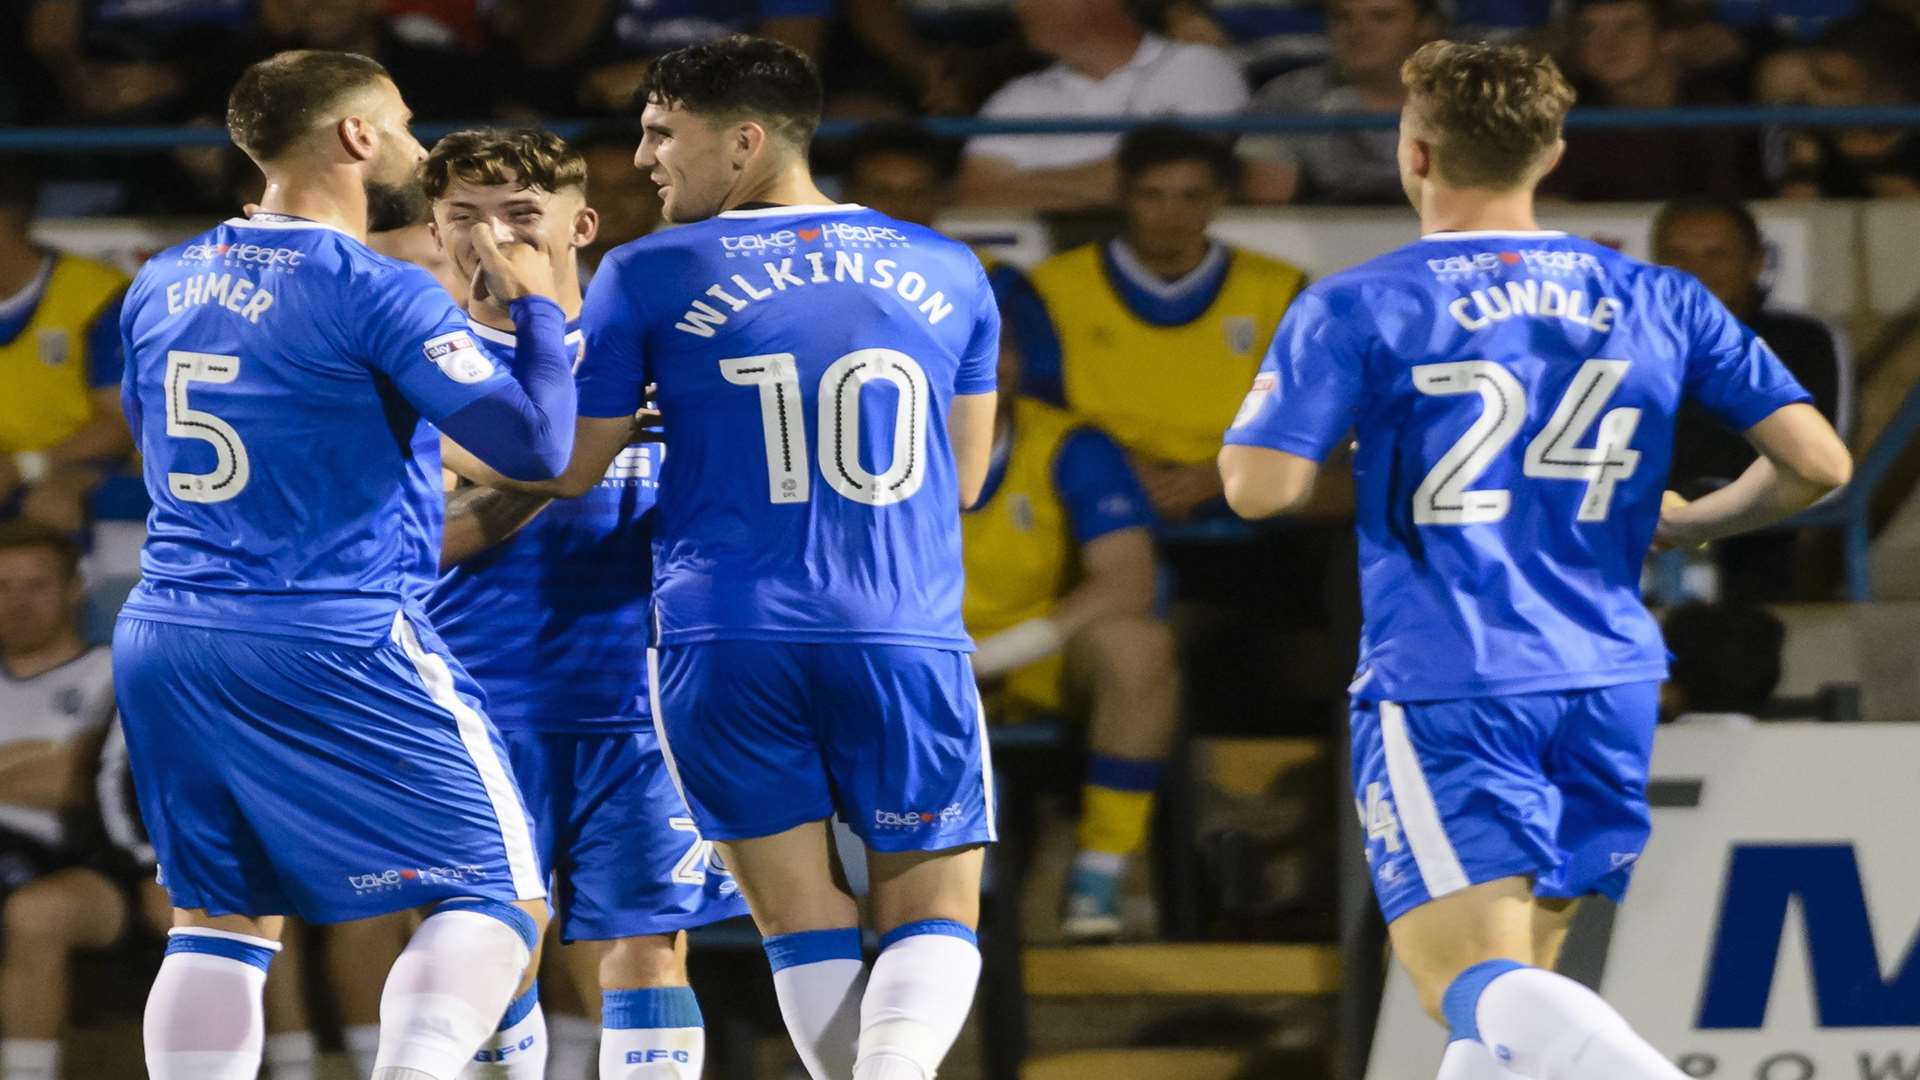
458, 358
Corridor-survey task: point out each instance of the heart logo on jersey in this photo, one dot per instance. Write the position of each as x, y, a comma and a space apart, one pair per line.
809, 234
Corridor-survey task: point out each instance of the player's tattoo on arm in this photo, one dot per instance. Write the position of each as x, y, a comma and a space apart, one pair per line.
480, 517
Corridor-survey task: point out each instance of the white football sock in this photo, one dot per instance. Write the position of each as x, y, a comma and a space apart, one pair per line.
517, 1050
205, 1018
291, 1055
818, 975
576, 1047
1467, 1059
1548, 1027
30, 1059
655, 1033
917, 1000
447, 991
363, 1044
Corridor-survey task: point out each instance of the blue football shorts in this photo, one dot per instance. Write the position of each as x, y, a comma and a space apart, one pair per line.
333, 782
622, 854
763, 736
1551, 786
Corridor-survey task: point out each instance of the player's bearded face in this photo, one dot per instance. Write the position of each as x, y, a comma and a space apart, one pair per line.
395, 197
689, 159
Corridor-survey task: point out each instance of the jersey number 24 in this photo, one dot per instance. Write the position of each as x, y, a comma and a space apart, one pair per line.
1555, 454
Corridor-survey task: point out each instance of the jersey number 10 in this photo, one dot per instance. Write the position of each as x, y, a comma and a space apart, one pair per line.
789, 472
1554, 454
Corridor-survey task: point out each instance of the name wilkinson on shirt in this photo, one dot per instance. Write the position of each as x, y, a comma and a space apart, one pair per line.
739, 291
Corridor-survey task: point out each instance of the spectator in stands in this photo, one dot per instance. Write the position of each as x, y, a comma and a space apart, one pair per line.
591, 54
55, 704
623, 193
1371, 39
61, 427
895, 57
1061, 594
1726, 664
1719, 242
1265, 37
1105, 64
1625, 55
1867, 60
901, 170
136, 62
1155, 335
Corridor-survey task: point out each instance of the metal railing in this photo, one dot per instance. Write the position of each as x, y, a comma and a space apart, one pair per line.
108, 140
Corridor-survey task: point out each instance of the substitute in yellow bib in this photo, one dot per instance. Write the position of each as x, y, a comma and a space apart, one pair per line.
1061, 596
60, 362
1155, 334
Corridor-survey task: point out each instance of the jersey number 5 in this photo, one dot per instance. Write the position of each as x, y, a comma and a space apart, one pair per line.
231, 466
1554, 454
789, 473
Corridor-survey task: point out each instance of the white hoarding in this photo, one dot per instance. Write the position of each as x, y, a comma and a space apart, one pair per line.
1770, 928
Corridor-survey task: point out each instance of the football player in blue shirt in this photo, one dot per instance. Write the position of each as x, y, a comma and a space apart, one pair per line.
1513, 392
826, 377
301, 741
552, 624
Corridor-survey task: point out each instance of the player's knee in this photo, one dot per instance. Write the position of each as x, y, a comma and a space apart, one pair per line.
641, 963
38, 914
1131, 656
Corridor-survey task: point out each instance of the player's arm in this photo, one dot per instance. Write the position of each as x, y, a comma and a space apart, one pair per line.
970, 429
1739, 379
1112, 521
1801, 461
480, 517
1302, 402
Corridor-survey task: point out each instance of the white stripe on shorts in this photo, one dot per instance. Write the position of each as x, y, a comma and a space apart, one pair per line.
515, 833
1432, 852
660, 723
986, 767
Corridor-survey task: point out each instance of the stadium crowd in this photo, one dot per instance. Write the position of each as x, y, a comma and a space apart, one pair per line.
1106, 576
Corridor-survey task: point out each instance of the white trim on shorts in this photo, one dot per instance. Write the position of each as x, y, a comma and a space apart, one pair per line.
986, 767
515, 833
1419, 818
660, 724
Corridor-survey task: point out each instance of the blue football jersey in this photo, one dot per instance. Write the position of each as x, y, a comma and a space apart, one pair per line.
1513, 397
806, 357
277, 372
552, 623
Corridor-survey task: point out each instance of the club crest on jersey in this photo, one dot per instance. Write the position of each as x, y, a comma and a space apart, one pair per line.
56, 344
1020, 508
1239, 331
458, 358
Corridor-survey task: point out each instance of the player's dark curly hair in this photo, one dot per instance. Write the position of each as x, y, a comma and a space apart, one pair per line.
486, 156
1146, 147
281, 98
741, 78
1733, 211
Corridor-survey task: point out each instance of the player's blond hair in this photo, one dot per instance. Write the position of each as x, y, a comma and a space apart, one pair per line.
1492, 114
524, 157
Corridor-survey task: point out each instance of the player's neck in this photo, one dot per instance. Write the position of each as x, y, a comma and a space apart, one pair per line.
1475, 210
1170, 264
29, 663
339, 202
790, 186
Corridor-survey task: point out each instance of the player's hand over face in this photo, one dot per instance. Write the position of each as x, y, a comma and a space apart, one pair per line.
510, 271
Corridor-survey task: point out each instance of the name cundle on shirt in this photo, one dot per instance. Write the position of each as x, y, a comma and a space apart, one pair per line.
1531, 298
837, 265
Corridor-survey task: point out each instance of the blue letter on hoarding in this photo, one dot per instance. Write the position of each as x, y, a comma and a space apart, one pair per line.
1762, 880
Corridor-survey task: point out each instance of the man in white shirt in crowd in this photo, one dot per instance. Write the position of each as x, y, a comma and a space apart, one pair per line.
1105, 64
56, 701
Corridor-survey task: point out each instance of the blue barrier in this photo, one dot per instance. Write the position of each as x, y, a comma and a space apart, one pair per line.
106, 140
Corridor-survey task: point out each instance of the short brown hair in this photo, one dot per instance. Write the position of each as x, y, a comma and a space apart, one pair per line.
1490, 112
282, 97
28, 534
526, 157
